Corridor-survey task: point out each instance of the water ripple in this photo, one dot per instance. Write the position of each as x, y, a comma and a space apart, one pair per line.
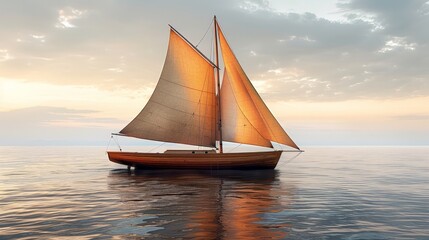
326, 193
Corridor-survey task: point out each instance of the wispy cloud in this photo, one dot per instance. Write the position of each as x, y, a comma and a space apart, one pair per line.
67, 15
5, 55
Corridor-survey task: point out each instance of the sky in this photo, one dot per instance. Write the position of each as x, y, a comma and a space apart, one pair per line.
346, 72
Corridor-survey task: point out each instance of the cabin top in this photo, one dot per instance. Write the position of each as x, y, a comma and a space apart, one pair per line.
190, 151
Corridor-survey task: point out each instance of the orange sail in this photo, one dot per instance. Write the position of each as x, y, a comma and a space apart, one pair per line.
247, 104
182, 107
236, 127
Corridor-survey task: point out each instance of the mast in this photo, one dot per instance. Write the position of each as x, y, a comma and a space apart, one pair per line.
218, 87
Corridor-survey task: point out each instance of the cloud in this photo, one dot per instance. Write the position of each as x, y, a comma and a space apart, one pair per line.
396, 17
379, 51
66, 16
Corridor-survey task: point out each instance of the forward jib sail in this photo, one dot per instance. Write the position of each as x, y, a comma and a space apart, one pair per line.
258, 125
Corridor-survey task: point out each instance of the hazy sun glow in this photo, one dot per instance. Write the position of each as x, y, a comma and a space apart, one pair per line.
122, 104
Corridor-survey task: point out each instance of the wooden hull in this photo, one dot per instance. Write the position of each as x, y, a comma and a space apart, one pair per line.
248, 160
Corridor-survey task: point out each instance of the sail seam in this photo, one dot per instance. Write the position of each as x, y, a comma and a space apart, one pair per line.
185, 86
169, 119
192, 114
154, 124
185, 99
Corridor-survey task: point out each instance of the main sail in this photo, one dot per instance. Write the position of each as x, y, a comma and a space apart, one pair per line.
245, 117
182, 107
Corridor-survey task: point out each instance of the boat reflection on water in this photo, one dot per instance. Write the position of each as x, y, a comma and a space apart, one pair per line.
200, 204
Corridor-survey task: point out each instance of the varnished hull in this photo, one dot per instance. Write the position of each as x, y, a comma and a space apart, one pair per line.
248, 160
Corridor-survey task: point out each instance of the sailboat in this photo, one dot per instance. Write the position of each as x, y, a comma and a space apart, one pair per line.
190, 106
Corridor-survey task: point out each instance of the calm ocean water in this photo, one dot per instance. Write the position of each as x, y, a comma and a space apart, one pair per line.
324, 193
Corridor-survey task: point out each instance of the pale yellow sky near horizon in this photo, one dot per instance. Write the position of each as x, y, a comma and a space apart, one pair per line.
125, 104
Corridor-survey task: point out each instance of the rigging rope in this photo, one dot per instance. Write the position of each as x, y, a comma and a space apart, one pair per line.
290, 160
234, 148
157, 146
281, 147
212, 47
204, 34
110, 140
117, 143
